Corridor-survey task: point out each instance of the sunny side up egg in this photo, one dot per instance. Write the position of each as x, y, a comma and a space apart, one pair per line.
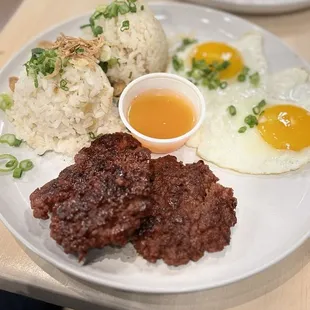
245, 52
279, 142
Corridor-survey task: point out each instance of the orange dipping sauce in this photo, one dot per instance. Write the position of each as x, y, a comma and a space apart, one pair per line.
161, 114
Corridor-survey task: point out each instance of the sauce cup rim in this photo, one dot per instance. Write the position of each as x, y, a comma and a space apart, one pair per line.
170, 76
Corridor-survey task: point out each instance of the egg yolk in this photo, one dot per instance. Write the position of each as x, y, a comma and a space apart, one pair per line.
285, 127
219, 52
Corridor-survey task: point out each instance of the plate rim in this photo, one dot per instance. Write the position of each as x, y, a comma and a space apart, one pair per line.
266, 4
259, 8
71, 271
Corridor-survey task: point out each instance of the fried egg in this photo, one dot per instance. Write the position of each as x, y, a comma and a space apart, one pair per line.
245, 52
279, 143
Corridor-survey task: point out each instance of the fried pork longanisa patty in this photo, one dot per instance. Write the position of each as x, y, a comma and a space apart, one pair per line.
101, 199
192, 213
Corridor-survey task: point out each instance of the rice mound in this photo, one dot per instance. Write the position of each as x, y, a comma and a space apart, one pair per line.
141, 49
50, 118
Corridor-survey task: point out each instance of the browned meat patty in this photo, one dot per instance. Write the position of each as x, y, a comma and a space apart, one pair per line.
192, 213
102, 199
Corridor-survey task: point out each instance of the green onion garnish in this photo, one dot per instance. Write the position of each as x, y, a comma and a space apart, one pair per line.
112, 10
92, 135
245, 70
10, 139
186, 42
37, 51
11, 164
224, 65
256, 110
125, 25
242, 129
251, 120
63, 85
254, 79
97, 31
26, 165
79, 50
241, 77
223, 85
208, 74
142, 7
85, 26
123, 9
6, 102
177, 63
232, 110
42, 61
262, 103
17, 173
104, 66
196, 74
113, 61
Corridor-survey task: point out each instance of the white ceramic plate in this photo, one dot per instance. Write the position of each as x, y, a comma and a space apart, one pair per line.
256, 6
273, 211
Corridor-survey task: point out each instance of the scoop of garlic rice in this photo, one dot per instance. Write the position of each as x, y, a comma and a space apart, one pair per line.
50, 118
141, 49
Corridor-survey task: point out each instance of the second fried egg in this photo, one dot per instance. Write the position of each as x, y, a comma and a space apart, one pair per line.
278, 143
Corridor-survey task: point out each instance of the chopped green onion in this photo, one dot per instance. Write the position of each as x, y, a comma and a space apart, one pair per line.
6, 102
104, 66
241, 77
196, 74
97, 31
85, 26
142, 7
123, 9
110, 11
92, 135
256, 110
254, 79
11, 164
125, 25
213, 84
10, 139
42, 61
132, 6
26, 165
37, 51
130, 75
177, 63
242, 129
262, 103
186, 42
251, 120
223, 85
79, 50
113, 61
224, 65
245, 70
17, 173
232, 110
63, 85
